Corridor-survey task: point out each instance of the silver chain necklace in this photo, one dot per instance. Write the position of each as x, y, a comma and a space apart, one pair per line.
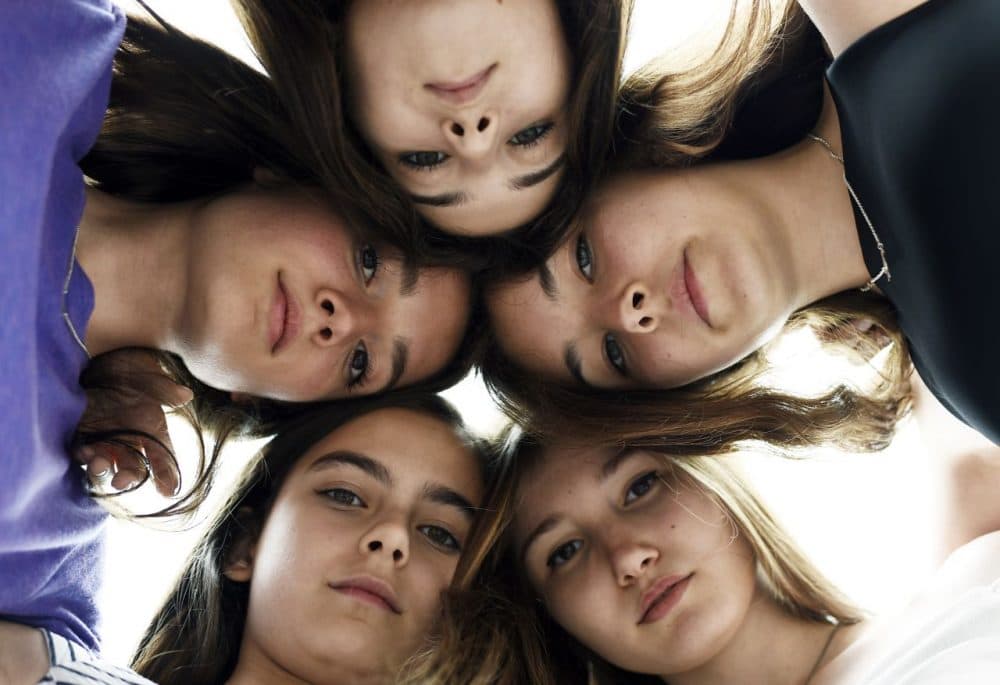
65, 293
878, 242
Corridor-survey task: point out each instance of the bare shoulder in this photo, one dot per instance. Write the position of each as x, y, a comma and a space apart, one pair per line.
23, 656
844, 21
974, 564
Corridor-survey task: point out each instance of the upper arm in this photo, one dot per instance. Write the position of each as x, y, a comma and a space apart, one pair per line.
841, 22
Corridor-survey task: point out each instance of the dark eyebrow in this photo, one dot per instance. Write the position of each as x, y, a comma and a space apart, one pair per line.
408, 284
541, 529
442, 200
612, 464
548, 282
572, 359
373, 468
517, 183
536, 177
400, 351
442, 494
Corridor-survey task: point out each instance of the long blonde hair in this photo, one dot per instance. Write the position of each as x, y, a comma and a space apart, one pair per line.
496, 632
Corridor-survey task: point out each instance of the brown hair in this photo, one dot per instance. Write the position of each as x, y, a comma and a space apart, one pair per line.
309, 73
524, 639
186, 120
196, 635
676, 119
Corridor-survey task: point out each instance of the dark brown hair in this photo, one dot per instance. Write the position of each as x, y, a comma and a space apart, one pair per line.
196, 635
309, 73
186, 120
710, 111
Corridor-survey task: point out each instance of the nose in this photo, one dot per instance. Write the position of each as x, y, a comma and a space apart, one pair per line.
337, 319
472, 133
389, 540
631, 561
636, 310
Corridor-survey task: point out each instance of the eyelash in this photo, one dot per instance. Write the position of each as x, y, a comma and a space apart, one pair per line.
613, 351
358, 376
584, 258
334, 493
649, 479
451, 543
418, 160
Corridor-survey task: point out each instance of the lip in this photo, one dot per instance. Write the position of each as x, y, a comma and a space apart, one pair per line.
461, 92
369, 590
662, 597
285, 319
694, 292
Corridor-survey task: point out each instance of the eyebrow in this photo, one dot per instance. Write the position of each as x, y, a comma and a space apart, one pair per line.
373, 468
612, 464
572, 359
454, 199
547, 280
536, 177
408, 283
541, 529
400, 351
442, 494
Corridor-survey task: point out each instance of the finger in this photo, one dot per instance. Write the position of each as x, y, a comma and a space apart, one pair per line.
163, 470
128, 477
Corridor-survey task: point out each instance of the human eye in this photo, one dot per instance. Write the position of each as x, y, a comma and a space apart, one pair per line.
368, 262
530, 136
563, 553
441, 538
616, 357
344, 497
641, 486
423, 160
358, 367
584, 257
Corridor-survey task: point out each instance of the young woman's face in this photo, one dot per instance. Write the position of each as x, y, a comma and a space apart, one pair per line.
642, 568
347, 574
663, 282
284, 303
463, 102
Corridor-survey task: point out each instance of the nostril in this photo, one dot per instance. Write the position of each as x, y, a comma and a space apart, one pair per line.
328, 306
483, 123
457, 129
645, 322
397, 555
326, 333
374, 545
637, 299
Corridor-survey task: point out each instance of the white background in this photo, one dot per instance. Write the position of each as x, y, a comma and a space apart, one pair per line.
863, 518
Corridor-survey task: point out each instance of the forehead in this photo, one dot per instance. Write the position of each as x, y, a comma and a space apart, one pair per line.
414, 447
433, 319
561, 477
531, 328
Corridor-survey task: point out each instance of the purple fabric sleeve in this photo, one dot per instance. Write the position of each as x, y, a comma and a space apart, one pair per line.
55, 72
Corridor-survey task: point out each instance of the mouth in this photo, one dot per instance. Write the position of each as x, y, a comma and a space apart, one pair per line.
694, 294
662, 597
369, 590
461, 92
285, 318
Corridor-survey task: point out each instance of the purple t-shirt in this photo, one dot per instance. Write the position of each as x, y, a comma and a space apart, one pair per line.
55, 73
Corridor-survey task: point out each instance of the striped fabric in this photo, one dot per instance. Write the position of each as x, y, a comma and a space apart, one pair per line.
71, 664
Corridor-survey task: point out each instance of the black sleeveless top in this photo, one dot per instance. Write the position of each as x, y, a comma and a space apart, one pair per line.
919, 106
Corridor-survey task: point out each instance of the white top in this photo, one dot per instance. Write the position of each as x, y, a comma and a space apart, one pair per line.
72, 664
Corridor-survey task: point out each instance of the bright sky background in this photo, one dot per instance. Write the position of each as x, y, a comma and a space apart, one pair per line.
862, 518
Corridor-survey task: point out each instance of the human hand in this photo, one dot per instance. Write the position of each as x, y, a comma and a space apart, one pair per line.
124, 437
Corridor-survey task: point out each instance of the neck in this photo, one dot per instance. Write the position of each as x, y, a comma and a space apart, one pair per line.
793, 647
134, 255
808, 216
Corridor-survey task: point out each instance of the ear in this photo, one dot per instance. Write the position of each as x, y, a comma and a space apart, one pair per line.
238, 564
